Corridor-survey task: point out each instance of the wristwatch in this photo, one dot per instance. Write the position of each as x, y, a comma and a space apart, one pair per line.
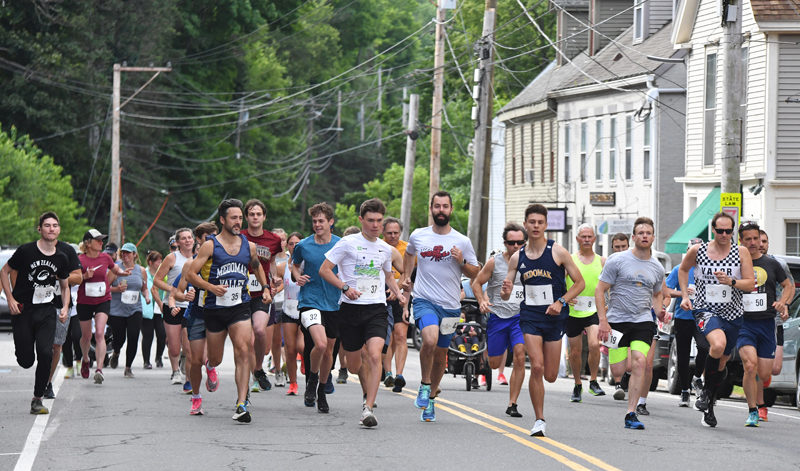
733, 282
562, 300
345, 288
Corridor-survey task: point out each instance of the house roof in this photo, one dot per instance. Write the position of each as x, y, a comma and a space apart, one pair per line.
775, 10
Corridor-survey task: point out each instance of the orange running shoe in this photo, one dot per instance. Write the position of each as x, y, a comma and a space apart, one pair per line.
292, 391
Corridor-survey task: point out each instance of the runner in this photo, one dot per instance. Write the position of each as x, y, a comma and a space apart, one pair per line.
126, 307
392, 228
152, 317
725, 271
94, 299
224, 261
267, 244
68, 332
318, 303
543, 266
170, 268
365, 266
41, 270
635, 279
276, 313
503, 328
620, 243
583, 313
777, 365
441, 254
290, 317
756, 342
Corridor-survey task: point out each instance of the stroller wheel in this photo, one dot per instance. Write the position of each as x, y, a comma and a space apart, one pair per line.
469, 373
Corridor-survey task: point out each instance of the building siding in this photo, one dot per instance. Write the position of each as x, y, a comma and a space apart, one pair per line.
788, 132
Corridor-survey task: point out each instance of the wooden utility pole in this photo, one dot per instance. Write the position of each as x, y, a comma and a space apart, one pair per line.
411, 156
731, 45
380, 107
436, 108
115, 220
478, 199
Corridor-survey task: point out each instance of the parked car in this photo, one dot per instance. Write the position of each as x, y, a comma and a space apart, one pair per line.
786, 383
5, 314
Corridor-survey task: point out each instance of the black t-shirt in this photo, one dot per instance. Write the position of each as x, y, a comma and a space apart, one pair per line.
758, 303
38, 274
73, 263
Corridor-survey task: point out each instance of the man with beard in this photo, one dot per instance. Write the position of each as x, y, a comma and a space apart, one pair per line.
223, 261
442, 255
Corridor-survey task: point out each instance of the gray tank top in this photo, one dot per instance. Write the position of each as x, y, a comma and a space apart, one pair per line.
129, 302
503, 309
172, 275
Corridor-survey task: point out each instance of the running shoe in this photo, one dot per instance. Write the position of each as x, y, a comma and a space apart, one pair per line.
762, 414
212, 378
389, 381
429, 413
84, 369
709, 419
482, 379
322, 401
684, 399
701, 403
619, 393
98, 377
187, 387
329, 389
501, 379
632, 421
641, 409
263, 381
475, 384
197, 406
512, 411
37, 408
310, 396
148, 366
752, 419
697, 385
48, 392
399, 383
280, 380
595, 389
176, 377
538, 429
70, 373
114, 361
241, 414
292, 391
254, 387
368, 418
342, 378
128, 373
576, 393
423, 396
159, 363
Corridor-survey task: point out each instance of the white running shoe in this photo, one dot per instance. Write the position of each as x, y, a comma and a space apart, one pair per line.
368, 418
538, 428
280, 380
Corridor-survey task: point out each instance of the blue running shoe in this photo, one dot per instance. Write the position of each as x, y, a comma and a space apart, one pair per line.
631, 421
752, 420
423, 396
329, 389
429, 413
187, 387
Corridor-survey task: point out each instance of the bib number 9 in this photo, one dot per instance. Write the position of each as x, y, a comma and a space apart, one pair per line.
718, 294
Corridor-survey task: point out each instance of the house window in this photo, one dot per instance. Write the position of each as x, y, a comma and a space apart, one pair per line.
793, 238
638, 20
743, 148
583, 152
566, 154
646, 150
612, 150
522, 154
552, 154
710, 109
628, 148
541, 152
598, 151
514, 156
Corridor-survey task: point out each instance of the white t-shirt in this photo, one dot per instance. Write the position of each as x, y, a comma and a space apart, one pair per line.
363, 266
438, 273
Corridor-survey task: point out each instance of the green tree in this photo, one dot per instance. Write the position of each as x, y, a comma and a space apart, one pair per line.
30, 184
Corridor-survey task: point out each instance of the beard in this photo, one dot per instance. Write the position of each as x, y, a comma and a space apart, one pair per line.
441, 219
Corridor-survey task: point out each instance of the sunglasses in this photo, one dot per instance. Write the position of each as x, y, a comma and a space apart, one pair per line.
515, 242
723, 231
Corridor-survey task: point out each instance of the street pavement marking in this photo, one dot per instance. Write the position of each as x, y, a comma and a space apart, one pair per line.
8, 454
28, 455
743, 407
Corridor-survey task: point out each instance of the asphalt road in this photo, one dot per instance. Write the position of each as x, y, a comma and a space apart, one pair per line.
143, 423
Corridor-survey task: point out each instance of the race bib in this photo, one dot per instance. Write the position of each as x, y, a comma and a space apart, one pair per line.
692, 291
96, 289
613, 339
370, 288
538, 295
252, 284
232, 297
584, 303
518, 295
718, 294
290, 308
263, 252
43, 294
311, 317
448, 325
754, 302
130, 297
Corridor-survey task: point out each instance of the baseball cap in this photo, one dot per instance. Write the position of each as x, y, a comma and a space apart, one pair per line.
94, 234
128, 247
111, 248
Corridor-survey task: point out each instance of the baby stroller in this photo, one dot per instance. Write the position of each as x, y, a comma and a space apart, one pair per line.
465, 354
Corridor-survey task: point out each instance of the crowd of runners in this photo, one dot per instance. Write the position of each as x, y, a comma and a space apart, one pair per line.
315, 299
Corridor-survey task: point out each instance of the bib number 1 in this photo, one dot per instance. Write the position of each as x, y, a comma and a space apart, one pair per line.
538, 295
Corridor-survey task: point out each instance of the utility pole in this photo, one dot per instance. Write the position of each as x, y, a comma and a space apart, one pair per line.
436, 108
411, 155
361, 120
405, 108
478, 202
731, 45
380, 107
115, 220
